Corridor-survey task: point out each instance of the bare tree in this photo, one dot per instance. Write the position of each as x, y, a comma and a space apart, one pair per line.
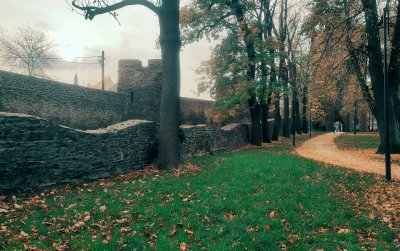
27, 49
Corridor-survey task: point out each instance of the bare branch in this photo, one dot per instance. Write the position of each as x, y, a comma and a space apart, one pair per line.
102, 7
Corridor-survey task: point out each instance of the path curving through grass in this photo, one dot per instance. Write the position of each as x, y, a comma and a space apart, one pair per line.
323, 148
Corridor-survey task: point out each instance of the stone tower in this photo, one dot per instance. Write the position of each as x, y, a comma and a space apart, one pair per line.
142, 85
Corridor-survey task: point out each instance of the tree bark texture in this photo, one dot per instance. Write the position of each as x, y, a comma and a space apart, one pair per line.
376, 74
169, 145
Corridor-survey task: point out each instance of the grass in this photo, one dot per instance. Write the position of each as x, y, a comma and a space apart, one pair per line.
257, 199
358, 141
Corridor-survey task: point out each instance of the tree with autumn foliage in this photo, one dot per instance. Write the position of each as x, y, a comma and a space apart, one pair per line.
356, 26
170, 43
250, 65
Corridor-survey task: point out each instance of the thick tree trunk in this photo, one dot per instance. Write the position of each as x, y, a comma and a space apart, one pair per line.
304, 110
297, 114
277, 120
286, 131
375, 68
169, 145
255, 114
393, 126
264, 120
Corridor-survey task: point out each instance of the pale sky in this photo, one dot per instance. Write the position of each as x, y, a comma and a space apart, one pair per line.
74, 36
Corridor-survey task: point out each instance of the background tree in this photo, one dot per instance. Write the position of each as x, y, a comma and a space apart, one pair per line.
250, 23
170, 43
27, 49
356, 26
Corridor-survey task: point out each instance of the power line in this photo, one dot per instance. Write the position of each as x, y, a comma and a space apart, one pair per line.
56, 59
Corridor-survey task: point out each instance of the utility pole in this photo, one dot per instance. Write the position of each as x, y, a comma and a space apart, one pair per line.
385, 91
102, 70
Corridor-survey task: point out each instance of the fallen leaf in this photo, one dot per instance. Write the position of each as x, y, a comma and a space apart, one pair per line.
207, 219
87, 217
344, 231
183, 246
23, 235
322, 230
16, 206
173, 231
103, 208
273, 214
252, 229
125, 230
267, 228
229, 216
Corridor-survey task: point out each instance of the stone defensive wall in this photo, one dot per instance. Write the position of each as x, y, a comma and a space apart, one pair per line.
64, 104
36, 153
138, 97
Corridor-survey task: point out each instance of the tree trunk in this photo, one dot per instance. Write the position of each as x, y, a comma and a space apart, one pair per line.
355, 119
169, 145
255, 114
393, 126
286, 131
277, 120
264, 120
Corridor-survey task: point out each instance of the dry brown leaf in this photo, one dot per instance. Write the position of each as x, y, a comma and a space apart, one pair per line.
273, 214
23, 235
173, 231
229, 216
16, 206
183, 246
252, 229
344, 231
267, 227
103, 208
322, 230
207, 219
125, 230
87, 217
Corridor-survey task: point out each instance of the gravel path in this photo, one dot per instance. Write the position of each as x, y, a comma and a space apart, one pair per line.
322, 148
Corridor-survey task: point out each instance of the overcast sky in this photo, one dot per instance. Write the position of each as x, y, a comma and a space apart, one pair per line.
74, 36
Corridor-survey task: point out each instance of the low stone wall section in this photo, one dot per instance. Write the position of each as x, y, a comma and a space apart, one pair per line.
201, 139
36, 154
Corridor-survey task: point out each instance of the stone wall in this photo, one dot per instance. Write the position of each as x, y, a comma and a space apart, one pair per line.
201, 139
65, 104
36, 153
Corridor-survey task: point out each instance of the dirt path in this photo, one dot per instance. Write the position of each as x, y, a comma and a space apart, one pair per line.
322, 148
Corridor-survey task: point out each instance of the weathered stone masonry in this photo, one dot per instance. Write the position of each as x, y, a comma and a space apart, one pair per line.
40, 151
64, 104
139, 93
35, 153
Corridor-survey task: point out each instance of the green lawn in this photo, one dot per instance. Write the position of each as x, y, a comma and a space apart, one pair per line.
360, 141
255, 199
